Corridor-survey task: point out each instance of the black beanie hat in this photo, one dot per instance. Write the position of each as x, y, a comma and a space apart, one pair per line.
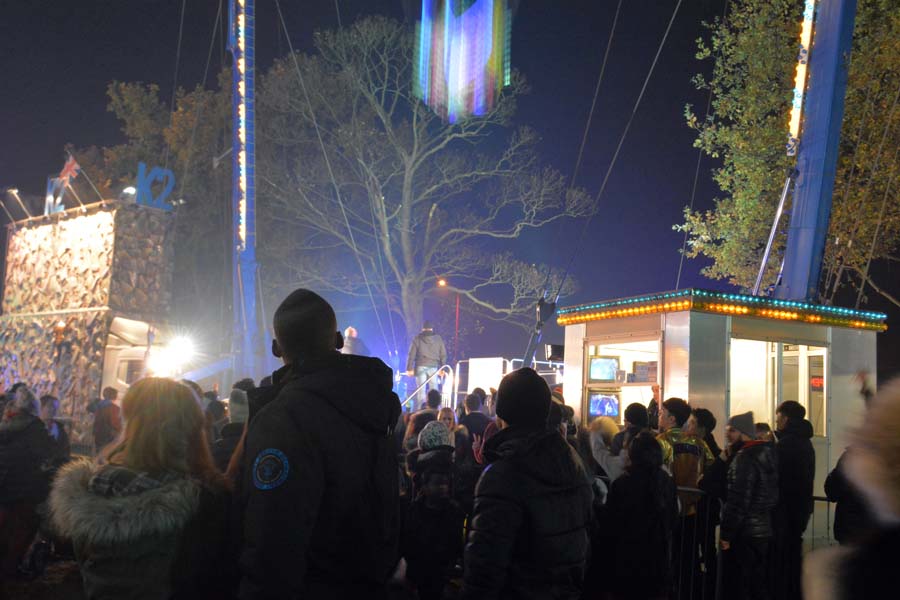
523, 398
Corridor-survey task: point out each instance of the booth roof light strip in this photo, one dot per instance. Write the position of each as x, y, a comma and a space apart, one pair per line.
724, 303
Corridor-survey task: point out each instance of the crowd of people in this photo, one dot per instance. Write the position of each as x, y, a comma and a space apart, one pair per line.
315, 484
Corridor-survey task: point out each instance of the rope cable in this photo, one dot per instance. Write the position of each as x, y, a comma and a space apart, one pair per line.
849, 182
877, 164
884, 202
175, 76
587, 125
328, 166
199, 108
697, 168
615, 157
381, 271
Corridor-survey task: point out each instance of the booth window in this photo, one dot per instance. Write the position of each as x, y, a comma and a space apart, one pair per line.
130, 371
816, 404
765, 374
617, 374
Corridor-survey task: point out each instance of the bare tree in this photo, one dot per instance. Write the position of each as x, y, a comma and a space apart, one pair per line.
368, 192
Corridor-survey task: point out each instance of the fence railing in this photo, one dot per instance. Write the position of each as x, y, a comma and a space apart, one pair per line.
444, 370
697, 564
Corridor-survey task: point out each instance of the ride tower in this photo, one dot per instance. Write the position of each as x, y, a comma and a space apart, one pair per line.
246, 344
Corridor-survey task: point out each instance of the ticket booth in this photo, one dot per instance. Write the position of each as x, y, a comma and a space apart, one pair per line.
729, 353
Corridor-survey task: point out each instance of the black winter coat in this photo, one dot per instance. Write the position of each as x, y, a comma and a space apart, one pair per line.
641, 512
529, 533
796, 473
224, 447
319, 486
853, 520
475, 422
431, 543
752, 493
26, 449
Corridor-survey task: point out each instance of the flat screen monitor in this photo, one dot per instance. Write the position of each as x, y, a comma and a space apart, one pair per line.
603, 404
602, 369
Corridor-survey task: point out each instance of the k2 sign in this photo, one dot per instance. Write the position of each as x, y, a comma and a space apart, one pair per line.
145, 183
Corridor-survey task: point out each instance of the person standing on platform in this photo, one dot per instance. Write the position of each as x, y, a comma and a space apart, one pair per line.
427, 354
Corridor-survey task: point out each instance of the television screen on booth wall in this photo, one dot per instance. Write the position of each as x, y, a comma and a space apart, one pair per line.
603, 368
603, 404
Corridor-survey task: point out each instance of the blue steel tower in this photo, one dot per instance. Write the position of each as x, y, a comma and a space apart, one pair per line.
245, 341
818, 152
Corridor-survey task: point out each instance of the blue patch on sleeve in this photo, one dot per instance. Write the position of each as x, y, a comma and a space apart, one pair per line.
270, 469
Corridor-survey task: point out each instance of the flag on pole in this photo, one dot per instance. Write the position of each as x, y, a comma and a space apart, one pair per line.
69, 171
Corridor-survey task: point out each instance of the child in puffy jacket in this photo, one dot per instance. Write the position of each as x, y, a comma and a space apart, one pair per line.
432, 538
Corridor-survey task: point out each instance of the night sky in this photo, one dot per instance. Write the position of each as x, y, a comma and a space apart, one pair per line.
58, 57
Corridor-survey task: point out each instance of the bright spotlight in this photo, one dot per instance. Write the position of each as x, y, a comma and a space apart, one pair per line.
159, 363
171, 359
442, 283
182, 348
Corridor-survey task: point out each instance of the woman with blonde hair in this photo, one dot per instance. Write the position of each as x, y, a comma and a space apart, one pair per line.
603, 430
151, 522
448, 418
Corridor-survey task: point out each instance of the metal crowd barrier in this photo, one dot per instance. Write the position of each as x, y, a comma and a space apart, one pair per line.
820, 531
696, 559
445, 370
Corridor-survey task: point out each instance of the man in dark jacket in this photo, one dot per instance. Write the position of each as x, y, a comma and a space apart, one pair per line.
746, 517
427, 354
25, 450
796, 473
853, 519
636, 420
107, 419
474, 421
529, 535
318, 490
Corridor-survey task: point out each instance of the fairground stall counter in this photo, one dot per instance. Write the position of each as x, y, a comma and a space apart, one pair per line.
729, 353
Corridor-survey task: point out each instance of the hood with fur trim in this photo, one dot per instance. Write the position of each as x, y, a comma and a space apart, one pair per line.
93, 520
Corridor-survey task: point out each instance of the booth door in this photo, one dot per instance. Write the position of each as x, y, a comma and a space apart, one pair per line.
765, 374
800, 376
